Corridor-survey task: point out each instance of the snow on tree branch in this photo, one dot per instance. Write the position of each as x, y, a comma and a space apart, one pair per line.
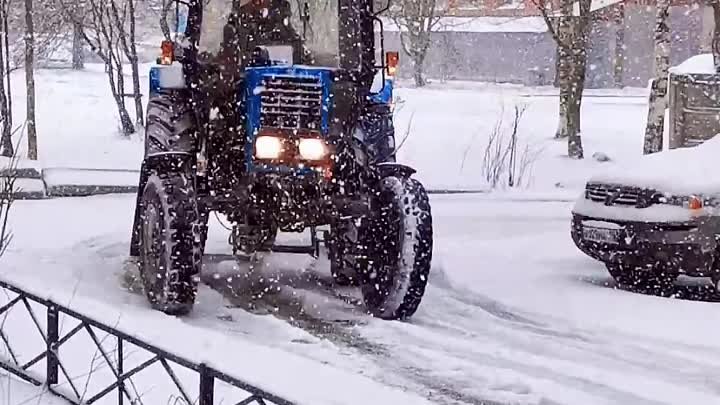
417, 20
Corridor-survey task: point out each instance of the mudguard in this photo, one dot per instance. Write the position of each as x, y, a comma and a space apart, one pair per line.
170, 125
395, 169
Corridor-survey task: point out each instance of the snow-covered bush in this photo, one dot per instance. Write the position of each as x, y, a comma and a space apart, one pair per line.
8, 177
507, 160
7, 185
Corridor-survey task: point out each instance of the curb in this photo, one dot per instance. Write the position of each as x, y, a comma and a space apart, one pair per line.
56, 183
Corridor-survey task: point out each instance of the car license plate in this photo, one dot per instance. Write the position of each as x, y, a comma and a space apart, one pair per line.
601, 235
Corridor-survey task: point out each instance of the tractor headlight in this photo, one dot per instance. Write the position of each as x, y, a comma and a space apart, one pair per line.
313, 149
268, 147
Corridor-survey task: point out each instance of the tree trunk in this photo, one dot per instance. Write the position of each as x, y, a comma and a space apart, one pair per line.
558, 58
137, 93
564, 66
716, 35
658, 91
575, 148
7, 63
6, 145
572, 38
418, 70
117, 91
563, 79
619, 65
164, 13
30, 79
78, 58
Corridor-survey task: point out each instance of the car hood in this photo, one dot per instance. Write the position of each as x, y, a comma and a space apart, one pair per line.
683, 171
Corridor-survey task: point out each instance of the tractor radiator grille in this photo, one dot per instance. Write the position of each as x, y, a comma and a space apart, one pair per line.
291, 102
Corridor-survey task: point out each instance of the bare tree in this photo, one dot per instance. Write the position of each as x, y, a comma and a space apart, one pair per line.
165, 7
417, 20
659, 87
6, 145
8, 175
124, 18
570, 32
30, 80
7, 186
49, 32
103, 30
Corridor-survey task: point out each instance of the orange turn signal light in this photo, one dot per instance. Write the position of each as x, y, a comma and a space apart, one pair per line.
392, 60
168, 53
695, 203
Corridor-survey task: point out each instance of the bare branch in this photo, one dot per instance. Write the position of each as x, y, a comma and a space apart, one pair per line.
542, 7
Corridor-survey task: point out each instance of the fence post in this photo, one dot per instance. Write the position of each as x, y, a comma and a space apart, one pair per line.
120, 370
52, 338
207, 386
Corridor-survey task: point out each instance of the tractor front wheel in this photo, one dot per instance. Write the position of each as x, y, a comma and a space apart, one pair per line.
399, 243
171, 245
342, 272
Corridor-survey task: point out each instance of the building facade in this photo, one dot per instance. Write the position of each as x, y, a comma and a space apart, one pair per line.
507, 41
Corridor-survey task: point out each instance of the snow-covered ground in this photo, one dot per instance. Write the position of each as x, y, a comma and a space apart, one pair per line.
449, 125
514, 314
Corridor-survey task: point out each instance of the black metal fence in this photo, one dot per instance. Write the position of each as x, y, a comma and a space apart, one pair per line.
118, 375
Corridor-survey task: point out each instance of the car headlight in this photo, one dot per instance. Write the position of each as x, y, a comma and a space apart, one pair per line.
268, 147
313, 149
691, 202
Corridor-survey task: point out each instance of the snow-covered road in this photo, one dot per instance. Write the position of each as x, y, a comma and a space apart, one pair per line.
514, 313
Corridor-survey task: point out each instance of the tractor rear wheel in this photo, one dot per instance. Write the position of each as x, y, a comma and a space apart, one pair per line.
171, 242
399, 244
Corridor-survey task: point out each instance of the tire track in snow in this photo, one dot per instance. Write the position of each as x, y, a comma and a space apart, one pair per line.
289, 296
340, 318
622, 351
346, 329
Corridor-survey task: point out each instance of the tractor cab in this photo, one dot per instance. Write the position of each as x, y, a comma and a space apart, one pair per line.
342, 36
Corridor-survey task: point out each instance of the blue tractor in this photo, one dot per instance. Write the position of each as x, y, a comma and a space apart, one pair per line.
278, 116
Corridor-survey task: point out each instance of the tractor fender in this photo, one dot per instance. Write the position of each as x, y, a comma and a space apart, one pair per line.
395, 169
171, 126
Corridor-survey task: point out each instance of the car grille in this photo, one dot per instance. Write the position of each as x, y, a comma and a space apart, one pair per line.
619, 195
291, 102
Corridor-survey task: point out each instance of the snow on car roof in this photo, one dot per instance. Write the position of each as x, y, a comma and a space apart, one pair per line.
682, 171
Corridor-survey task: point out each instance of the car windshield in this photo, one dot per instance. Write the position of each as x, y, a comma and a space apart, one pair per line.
275, 22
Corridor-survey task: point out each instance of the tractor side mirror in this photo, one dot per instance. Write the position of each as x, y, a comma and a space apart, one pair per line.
383, 9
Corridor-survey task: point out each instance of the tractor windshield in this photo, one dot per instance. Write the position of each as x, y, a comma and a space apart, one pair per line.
318, 22
315, 24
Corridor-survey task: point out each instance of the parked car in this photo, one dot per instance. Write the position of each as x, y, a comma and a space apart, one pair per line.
655, 219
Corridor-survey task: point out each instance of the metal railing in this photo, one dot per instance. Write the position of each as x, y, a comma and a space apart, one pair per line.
120, 381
